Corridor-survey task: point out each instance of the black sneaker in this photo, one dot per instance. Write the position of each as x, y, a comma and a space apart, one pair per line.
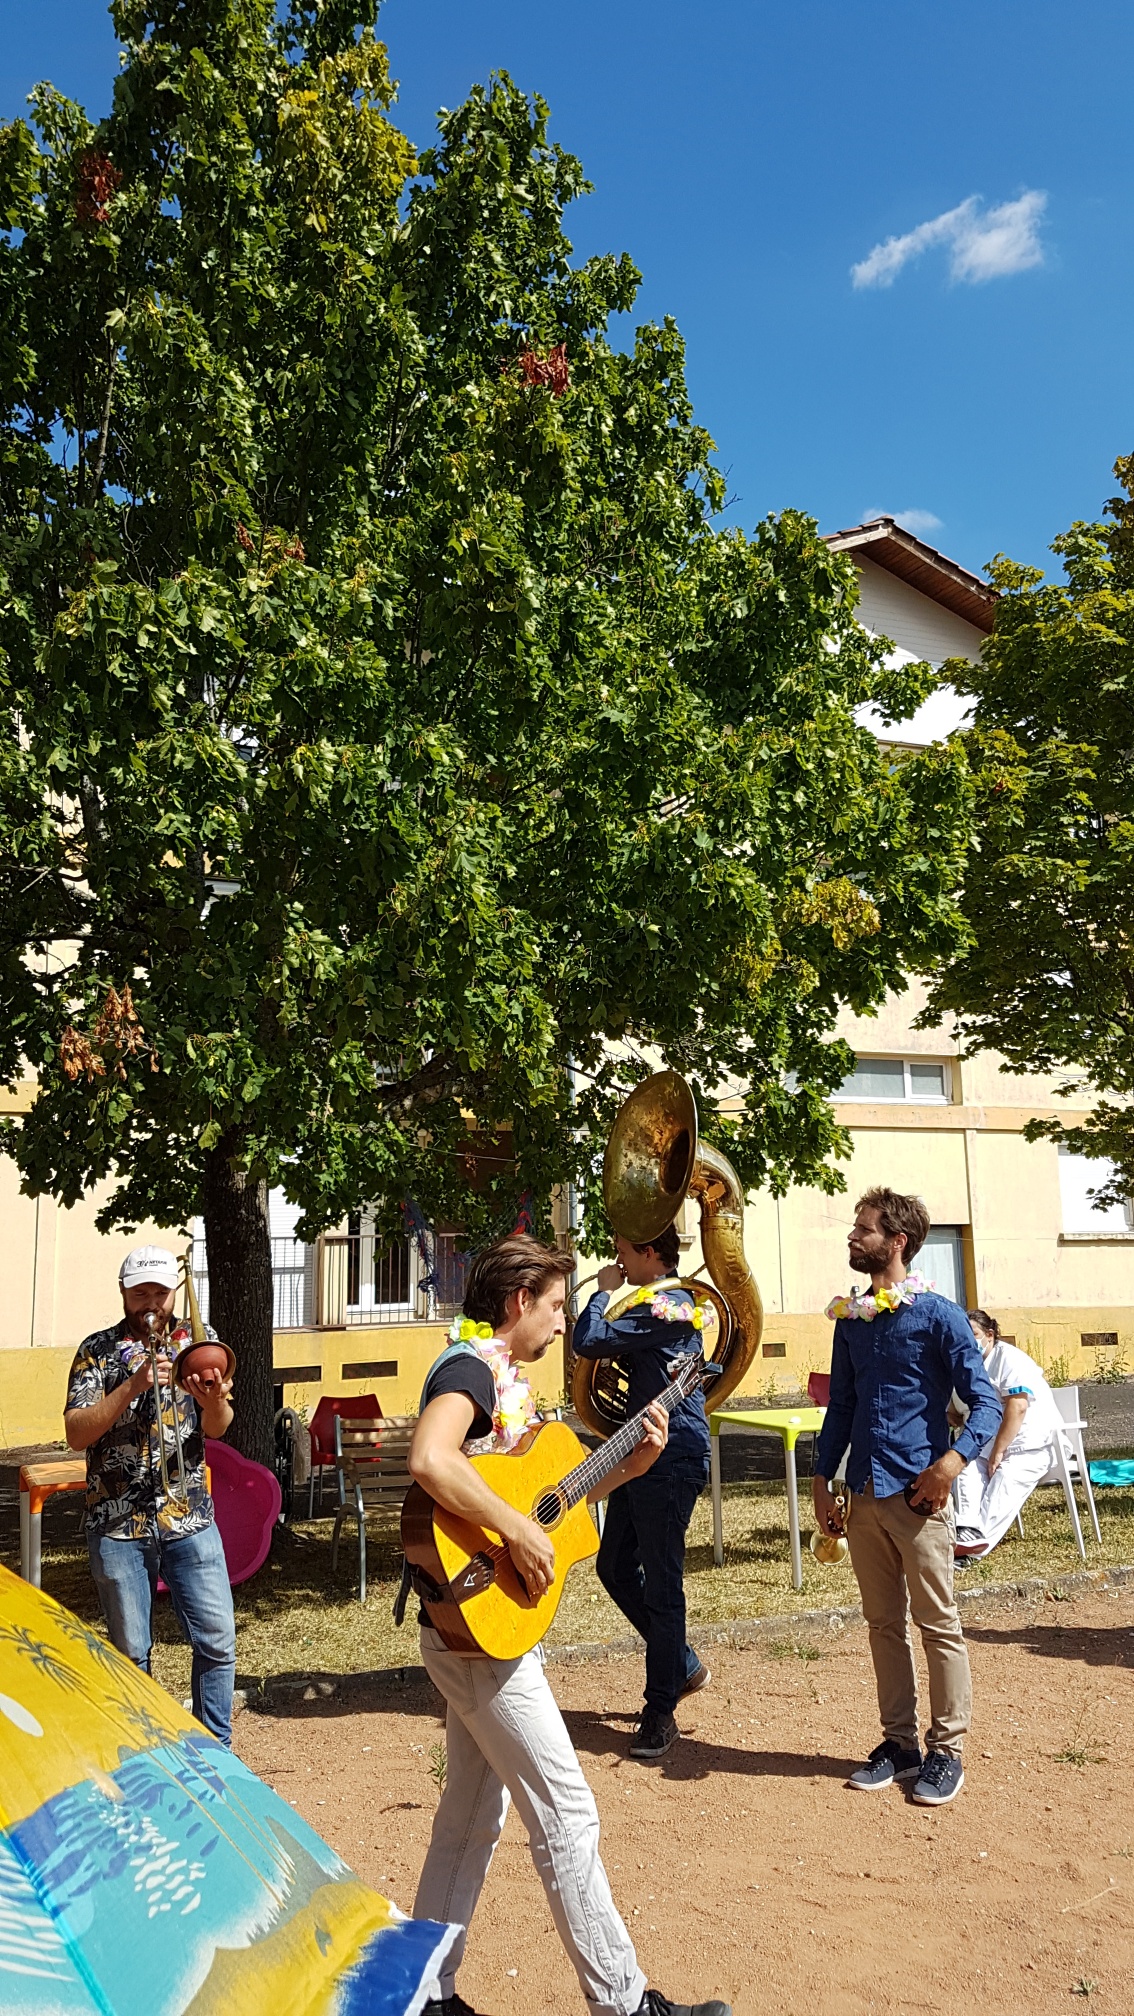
654, 2003
883, 1765
941, 1779
656, 1733
447, 2005
700, 1677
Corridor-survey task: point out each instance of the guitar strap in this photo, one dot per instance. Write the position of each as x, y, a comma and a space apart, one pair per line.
416, 1579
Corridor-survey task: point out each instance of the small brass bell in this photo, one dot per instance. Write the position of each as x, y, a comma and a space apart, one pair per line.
831, 1548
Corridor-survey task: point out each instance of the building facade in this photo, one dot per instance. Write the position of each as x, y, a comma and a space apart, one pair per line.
1014, 1230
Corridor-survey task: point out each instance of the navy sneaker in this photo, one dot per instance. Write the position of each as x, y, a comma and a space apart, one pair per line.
656, 1733
447, 2005
884, 1765
941, 1779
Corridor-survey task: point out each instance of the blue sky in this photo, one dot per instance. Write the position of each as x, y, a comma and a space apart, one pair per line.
750, 156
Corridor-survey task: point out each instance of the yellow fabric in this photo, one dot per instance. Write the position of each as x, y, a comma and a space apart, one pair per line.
86, 1699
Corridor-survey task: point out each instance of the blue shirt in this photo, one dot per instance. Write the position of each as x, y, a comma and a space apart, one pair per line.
644, 1344
891, 1383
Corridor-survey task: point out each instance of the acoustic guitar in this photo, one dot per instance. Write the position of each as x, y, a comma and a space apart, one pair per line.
469, 1589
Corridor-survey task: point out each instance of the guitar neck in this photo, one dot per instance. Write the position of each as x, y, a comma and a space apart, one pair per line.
579, 1482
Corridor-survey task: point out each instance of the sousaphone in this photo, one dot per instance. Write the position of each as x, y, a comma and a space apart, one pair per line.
653, 1161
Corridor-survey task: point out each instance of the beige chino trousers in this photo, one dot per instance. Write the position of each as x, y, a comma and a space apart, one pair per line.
904, 1566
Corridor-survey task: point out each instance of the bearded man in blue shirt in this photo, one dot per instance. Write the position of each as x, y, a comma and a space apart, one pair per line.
898, 1355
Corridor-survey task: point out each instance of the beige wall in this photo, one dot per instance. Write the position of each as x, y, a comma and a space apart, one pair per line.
60, 1273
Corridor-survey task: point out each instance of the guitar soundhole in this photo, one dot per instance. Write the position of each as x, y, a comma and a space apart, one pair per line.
549, 1509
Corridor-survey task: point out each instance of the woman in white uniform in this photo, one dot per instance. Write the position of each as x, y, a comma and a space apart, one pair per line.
991, 1490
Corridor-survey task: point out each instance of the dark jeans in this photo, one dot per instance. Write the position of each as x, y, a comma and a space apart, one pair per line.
641, 1565
193, 1568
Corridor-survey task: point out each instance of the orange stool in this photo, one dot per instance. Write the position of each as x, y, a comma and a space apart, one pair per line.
37, 1482
42, 1480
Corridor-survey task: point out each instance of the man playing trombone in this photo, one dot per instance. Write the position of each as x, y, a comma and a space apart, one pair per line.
149, 1512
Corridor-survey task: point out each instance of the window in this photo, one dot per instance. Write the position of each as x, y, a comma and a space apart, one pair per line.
911, 1079
379, 1274
1079, 1175
942, 1261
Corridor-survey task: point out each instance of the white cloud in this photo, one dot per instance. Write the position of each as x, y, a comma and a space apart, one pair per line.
913, 520
984, 244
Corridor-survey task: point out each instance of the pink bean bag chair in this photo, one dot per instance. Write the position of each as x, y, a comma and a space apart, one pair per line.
247, 1500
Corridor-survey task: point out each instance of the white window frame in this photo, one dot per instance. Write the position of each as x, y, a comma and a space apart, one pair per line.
907, 1097
386, 1312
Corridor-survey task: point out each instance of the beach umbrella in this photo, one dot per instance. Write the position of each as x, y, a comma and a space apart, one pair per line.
145, 1871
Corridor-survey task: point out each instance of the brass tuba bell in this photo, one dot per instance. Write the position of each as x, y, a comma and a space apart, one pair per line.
653, 1161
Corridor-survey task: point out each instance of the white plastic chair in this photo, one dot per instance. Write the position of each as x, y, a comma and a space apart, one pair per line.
1060, 1471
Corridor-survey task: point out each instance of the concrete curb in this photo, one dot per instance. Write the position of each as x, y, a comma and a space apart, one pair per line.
738, 1633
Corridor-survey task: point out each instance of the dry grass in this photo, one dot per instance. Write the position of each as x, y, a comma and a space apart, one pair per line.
291, 1618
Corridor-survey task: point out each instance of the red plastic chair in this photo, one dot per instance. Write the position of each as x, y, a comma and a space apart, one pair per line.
360, 1407
819, 1389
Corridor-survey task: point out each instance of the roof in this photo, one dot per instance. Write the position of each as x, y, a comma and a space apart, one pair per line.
889, 545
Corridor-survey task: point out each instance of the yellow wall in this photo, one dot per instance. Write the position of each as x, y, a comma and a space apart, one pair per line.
33, 1384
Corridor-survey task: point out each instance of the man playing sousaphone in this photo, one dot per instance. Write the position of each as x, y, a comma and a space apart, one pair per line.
136, 1528
505, 1737
641, 1561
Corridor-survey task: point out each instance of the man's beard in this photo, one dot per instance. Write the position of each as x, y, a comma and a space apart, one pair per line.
138, 1326
864, 1262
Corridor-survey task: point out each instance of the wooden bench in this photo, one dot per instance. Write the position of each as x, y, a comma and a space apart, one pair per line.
372, 1475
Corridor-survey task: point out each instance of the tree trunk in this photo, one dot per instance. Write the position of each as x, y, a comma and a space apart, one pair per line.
239, 1250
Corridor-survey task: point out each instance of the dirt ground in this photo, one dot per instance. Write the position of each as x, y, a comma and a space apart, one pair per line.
743, 1865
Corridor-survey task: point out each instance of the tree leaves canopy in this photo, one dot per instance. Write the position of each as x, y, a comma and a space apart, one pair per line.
391, 715
1048, 975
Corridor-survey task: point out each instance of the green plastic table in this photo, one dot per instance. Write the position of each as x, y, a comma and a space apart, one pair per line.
789, 1423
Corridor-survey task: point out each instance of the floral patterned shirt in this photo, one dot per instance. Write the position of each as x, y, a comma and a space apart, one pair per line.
125, 1498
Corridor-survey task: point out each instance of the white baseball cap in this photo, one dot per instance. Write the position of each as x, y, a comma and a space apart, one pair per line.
149, 1263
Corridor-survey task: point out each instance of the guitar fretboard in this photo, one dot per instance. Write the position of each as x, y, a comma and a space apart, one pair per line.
579, 1482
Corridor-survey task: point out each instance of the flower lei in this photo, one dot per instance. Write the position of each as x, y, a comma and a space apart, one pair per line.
515, 1410
869, 1306
665, 1310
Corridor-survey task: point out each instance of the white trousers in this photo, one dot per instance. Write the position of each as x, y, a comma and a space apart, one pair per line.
989, 1504
505, 1738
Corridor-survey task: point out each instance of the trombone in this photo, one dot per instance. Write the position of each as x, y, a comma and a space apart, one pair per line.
157, 1335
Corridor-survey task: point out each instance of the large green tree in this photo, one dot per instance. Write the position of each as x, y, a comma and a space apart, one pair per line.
392, 717
1048, 975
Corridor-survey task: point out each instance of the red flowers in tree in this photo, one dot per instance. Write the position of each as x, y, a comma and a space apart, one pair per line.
550, 370
98, 179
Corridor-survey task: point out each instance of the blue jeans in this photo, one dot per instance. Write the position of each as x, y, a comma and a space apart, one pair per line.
126, 1577
641, 1565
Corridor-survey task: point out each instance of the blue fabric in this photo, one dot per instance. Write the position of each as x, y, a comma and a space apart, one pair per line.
193, 1567
1117, 1470
644, 1344
891, 1382
641, 1565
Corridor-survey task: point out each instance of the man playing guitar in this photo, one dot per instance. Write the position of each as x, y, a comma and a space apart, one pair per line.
505, 1736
